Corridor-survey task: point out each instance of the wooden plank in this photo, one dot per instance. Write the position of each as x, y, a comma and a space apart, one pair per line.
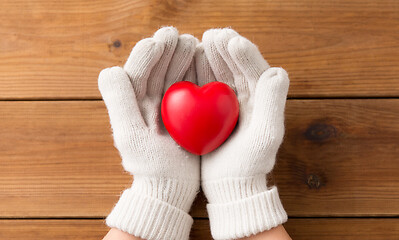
306, 229
339, 158
68, 229
55, 50
52, 229
57, 159
343, 229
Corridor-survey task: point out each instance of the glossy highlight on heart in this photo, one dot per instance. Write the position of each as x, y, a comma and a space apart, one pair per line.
199, 119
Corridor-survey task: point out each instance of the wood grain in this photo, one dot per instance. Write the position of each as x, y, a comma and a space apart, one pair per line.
339, 158
299, 229
343, 229
55, 49
55, 229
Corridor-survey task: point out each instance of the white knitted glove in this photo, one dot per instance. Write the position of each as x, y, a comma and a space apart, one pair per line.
234, 175
166, 177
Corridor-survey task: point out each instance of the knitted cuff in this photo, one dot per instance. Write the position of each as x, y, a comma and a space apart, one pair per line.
234, 189
159, 212
179, 193
243, 217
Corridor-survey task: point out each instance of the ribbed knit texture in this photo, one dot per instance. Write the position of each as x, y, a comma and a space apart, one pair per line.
242, 207
233, 189
155, 209
179, 193
246, 217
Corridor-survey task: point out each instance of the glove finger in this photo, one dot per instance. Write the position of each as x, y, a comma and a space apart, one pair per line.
269, 103
190, 75
169, 36
203, 69
248, 59
219, 66
181, 60
119, 97
222, 40
142, 59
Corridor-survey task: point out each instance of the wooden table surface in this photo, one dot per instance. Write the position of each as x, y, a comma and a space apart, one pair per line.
337, 170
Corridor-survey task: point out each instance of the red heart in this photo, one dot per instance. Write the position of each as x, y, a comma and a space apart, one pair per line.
199, 119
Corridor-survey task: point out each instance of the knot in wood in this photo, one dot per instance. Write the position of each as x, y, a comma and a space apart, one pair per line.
320, 132
117, 43
313, 181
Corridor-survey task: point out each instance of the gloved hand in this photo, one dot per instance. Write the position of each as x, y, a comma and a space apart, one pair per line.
234, 175
166, 177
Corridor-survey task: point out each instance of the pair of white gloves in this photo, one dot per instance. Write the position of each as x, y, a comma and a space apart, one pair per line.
167, 177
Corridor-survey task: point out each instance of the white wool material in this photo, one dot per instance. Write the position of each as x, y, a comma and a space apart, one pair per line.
234, 175
166, 177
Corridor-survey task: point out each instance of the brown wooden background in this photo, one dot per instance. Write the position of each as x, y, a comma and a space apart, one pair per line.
337, 171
